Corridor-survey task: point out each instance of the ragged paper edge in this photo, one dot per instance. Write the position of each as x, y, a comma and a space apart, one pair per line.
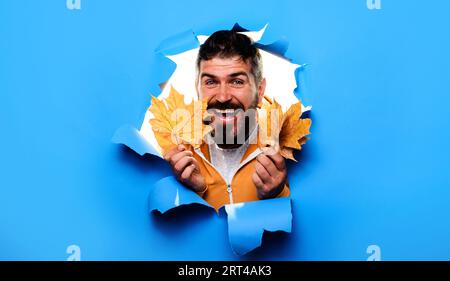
279, 71
246, 221
132, 138
168, 193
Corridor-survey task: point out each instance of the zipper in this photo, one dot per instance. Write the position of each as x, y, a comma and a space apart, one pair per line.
230, 193
229, 188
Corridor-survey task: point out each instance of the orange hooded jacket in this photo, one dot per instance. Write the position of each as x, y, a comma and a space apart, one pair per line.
241, 189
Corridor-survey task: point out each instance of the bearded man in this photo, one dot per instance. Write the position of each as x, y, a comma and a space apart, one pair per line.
229, 167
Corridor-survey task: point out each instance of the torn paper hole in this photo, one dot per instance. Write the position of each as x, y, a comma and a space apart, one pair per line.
245, 224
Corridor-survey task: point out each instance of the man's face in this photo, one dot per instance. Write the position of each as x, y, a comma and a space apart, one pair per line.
231, 91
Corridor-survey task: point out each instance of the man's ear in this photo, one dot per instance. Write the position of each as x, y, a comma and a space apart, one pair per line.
261, 90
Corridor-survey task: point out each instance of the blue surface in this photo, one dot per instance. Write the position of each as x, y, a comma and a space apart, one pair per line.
168, 193
132, 138
374, 173
248, 221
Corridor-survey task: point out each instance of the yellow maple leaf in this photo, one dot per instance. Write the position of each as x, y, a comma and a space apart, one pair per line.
284, 131
175, 122
270, 117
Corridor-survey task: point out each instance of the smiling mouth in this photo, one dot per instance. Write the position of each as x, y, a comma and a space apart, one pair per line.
225, 115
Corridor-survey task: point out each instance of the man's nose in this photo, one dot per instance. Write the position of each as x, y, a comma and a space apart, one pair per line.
223, 94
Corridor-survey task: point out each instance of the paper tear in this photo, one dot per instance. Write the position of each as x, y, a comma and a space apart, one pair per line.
278, 47
168, 193
131, 137
248, 221
279, 72
178, 43
254, 35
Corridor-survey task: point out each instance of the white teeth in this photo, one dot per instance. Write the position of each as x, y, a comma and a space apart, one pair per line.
226, 111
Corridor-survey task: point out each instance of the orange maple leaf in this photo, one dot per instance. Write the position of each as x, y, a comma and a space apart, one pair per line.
175, 122
284, 131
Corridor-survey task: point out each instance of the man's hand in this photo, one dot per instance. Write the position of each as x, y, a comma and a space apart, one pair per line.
270, 175
186, 168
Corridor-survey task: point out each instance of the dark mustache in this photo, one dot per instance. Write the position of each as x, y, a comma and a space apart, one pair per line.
224, 105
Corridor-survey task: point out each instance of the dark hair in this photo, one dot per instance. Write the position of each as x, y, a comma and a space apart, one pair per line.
229, 43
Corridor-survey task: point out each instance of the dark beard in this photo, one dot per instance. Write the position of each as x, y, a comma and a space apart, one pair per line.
246, 127
227, 142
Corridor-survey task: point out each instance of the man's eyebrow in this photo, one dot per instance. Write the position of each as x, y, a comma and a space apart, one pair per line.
233, 75
205, 74
236, 74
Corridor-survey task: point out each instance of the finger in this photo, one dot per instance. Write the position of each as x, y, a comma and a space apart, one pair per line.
169, 154
260, 187
267, 163
257, 181
182, 164
187, 172
181, 147
277, 159
195, 163
262, 173
180, 155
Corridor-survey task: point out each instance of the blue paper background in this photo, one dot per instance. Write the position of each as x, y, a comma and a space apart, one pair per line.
374, 172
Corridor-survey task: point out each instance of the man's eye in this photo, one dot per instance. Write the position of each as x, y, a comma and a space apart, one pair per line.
237, 82
210, 82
